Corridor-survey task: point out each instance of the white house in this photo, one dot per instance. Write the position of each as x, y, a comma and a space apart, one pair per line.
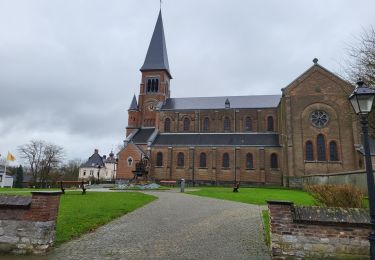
5, 181
98, 167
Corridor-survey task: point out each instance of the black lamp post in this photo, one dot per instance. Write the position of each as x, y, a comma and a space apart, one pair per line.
361, 100
98, 172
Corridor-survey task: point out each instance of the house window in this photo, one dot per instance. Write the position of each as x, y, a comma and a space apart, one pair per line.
333, 151
84, 173
180, 160
309, 151
226, 124
274, 162
130, 161
159, 159
225, 162
202, 160
91, 172
206, 124
167, 125
152, 85
270, 124
249, 161
186, 124
248, 124
321, 147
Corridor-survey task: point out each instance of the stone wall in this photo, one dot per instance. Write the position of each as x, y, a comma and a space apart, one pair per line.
27, 224
356, 178
312, 232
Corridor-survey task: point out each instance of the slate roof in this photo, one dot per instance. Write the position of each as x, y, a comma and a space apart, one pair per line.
213, 139
257, 101
142, 135
157, 57
134, 105
93, 161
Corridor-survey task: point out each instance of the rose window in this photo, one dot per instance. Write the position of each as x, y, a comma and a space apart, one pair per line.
319, 118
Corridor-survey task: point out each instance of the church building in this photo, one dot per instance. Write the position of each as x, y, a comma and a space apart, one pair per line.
309, 128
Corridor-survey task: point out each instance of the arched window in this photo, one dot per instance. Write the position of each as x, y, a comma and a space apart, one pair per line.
159, 159
202, 160
270, 124
274, 162
149, 85
226, 124
249, 161
156, 85
186, 124
309, 151
248, 124
321, 147
206, 124
167, 125
333, 151
225, 162
180, 160
130, 161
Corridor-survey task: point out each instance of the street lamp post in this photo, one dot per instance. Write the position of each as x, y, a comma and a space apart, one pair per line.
98, 172
361, 100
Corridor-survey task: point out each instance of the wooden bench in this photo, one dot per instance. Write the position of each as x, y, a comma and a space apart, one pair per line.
170, 183
80, 184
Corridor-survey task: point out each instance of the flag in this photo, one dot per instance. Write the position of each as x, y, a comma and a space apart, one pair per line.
10, 157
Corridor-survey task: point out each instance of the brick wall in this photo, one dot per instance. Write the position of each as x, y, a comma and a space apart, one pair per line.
27, 224
312, 232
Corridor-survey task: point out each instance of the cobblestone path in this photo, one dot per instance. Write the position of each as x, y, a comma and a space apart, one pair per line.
176, 226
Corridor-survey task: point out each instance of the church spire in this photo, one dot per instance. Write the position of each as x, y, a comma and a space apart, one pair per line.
157, 57
134, 105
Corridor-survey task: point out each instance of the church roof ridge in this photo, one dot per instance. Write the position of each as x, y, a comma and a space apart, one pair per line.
157, 56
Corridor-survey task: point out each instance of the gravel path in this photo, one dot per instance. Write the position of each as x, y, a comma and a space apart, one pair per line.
176, 226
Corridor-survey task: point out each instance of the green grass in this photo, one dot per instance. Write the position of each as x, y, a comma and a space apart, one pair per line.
257, 196
79, 214
266, 224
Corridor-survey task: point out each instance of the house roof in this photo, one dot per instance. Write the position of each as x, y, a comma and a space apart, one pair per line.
94, 160
214, 139
157, 57
257, 101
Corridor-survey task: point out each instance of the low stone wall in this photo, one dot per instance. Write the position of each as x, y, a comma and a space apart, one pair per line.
356, 178
27, 224
313, 232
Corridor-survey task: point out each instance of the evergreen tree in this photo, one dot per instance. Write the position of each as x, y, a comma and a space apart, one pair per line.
19, 177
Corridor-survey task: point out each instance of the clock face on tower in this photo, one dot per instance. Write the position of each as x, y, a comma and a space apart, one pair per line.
150, 106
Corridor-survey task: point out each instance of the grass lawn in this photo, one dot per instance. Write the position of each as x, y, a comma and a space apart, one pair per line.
266, 223
257, 196
79, 214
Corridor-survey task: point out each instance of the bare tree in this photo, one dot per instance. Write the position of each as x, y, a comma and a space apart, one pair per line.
361, 58
42, 158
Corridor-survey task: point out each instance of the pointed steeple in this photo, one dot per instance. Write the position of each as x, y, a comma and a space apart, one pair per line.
157, 57
134, 105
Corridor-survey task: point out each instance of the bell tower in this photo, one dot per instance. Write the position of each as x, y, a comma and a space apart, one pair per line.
156, 76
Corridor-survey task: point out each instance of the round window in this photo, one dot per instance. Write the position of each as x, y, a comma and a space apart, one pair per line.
319, 118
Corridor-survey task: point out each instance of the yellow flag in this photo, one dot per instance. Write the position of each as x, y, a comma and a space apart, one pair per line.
10, 157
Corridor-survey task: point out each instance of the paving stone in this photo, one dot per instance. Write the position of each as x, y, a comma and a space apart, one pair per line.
176, 226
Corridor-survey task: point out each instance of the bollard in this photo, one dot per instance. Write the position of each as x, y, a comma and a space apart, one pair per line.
182, 185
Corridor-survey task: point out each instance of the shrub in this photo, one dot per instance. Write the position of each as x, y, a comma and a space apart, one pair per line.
337, 195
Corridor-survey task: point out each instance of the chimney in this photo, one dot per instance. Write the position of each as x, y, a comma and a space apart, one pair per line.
104, 157
96, 151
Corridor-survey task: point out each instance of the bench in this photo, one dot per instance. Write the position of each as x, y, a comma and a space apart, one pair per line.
169, 183
80, 184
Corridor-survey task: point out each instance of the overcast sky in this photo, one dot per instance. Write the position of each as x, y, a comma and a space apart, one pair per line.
69, 68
